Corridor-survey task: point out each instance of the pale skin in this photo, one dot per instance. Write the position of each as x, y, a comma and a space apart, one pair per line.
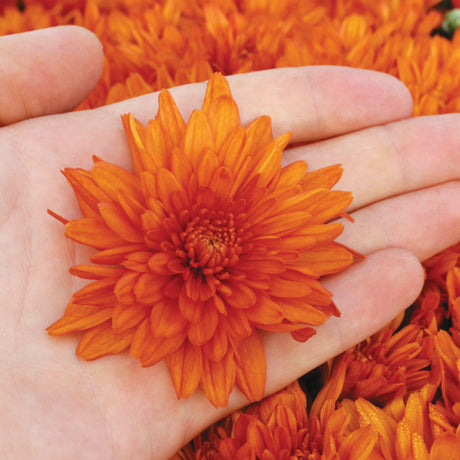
403, 173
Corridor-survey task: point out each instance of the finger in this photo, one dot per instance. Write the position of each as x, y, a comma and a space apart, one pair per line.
297, 99
424, 222
389, 160
313, 102
369, 295
47, 71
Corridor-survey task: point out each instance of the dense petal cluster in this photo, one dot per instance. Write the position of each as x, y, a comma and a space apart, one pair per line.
207, 242
280, 428
156, 44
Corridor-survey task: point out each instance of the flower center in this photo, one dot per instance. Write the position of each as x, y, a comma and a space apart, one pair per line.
211, 242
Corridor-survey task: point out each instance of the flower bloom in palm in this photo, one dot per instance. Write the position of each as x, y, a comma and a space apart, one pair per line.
206, 243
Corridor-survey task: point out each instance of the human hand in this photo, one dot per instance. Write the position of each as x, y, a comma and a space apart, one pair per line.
405, 209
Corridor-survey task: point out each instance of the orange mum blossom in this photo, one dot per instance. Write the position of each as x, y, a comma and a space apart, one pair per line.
209, 241
275, 428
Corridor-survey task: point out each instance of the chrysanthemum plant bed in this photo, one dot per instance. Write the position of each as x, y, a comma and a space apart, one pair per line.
206, 243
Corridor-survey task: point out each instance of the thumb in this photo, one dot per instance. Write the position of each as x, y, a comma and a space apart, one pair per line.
47, 71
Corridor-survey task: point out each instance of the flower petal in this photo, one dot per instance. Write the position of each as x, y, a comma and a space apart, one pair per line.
87, 192
118, 222
80, 317
115, 256
149, 288
201, 331
251, 367
218, 379
94, 272
224, 118
150, 349
166, 319
94, 232
126, 317
217, 345
185, 366
198, 138
170, 118
102, 340
298, 311
192, 310
113, 179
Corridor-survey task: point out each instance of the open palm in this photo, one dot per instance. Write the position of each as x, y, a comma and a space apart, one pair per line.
404, 176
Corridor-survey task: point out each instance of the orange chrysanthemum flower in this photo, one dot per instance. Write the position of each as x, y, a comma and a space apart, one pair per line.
276, 428
209, 241
388, 363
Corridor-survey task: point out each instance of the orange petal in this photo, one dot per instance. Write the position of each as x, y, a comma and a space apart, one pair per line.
330, 207
230, 152
379, 420
115, 256
236, 323
298, 311
292, 173
285, 421
170, 118
267, 163
218, 379
185, 366
322, 178
87, 192
167, 184
181, 167
258, 134
206, 168
192, 310
99, 292
302, 335
157, 145
94, 272
137, 261
242, 295
260, 437
132, 208
279, 327
149, 288
323, 260
216, 88
287, 288
201, 331
251, 367
149, 349
113, 179
158, 263
80, 317
118, 222
444, 445
166, 319
359, 444
93, 231
128, 316
148, 185
217, 345
224, 118
124, 289
261, 264
280, 223
198, 138
135, 133
102, 340
221, 181
265, 311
